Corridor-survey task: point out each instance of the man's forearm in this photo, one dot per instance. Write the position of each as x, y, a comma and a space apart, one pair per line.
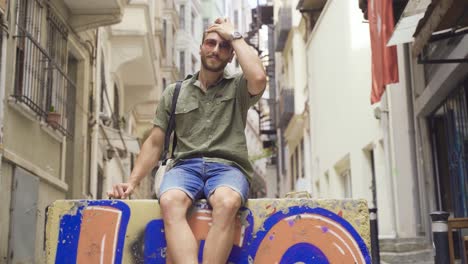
146, 161
251, 64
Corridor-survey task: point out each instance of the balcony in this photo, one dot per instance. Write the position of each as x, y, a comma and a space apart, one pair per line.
90, 14
285, 107
170, 11
283, 26
134, 58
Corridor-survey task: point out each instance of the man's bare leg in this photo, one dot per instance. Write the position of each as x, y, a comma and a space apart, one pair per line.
181, 243
218, 244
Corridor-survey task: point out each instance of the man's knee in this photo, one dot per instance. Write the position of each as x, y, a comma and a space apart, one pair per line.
174, 202
225, 200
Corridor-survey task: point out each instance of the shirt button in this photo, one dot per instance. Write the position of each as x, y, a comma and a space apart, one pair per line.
208, 120
210, 136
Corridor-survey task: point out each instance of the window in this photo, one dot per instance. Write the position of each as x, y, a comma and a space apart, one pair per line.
283, 156
172, 58
347, 184
29, 37
182, 17
182, 64
296, 169
58, 51
327, 181
317, 188
292, 161
41, 77
164, 25
236, 19
100, 183
206, 23
194, 17
449, 131
302, 172
72, 72
370, 172
103, 89
116, 115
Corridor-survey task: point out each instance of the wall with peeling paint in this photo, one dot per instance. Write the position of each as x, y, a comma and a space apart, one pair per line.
267, 231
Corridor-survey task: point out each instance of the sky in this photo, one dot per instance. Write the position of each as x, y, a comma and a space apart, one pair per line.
253, 3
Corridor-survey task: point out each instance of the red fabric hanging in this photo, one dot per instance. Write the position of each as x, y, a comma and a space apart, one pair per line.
384, 59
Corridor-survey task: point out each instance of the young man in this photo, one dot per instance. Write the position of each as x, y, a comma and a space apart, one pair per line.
211, 159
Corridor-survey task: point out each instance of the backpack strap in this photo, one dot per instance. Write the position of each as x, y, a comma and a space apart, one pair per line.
171, 125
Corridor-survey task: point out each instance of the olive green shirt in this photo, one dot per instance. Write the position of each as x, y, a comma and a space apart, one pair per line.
211, 124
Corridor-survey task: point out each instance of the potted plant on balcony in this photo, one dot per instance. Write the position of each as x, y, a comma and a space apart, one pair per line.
53, 117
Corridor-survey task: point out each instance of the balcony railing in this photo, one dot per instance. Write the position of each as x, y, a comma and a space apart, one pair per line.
283, 26
285, 107
42, 85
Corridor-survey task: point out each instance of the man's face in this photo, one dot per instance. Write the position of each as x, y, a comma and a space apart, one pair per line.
215, 52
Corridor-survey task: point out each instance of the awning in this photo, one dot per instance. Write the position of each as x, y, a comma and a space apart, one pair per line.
120, 140
406, 26
441, 15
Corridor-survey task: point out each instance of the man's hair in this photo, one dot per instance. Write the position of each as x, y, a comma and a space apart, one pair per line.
203, 36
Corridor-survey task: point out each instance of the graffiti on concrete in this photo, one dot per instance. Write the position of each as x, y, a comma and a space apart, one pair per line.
267, 231
94, 233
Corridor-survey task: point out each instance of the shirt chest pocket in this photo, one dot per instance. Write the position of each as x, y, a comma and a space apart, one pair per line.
187, 115
225, 99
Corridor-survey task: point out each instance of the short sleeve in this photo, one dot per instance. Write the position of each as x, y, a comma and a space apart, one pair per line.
247, 100
163, 110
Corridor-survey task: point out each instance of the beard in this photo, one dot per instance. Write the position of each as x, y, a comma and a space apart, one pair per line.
212, 68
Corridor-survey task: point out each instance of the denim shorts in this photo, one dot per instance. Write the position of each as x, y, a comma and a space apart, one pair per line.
199, 178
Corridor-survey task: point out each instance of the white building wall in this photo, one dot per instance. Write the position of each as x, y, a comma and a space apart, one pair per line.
343, 126
403, 161
291, 73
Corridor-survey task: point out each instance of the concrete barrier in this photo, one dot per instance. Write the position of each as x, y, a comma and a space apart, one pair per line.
267, 231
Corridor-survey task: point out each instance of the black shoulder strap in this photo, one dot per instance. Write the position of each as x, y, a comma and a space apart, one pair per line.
171, 125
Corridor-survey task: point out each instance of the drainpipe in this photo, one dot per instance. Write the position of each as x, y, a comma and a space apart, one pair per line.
93, 166
388, 155
3, 34
411, 136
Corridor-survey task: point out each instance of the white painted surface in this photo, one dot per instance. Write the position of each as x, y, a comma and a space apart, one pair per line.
343, 126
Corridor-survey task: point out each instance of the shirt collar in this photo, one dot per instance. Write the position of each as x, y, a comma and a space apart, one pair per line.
226, 75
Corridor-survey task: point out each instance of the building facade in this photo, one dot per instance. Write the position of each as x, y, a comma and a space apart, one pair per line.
436, 81
80, 83
188, 37
331, 135
292, 100
130, 85
169, 27
48, 82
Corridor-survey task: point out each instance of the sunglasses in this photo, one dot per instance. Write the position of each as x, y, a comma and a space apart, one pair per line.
223, 45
